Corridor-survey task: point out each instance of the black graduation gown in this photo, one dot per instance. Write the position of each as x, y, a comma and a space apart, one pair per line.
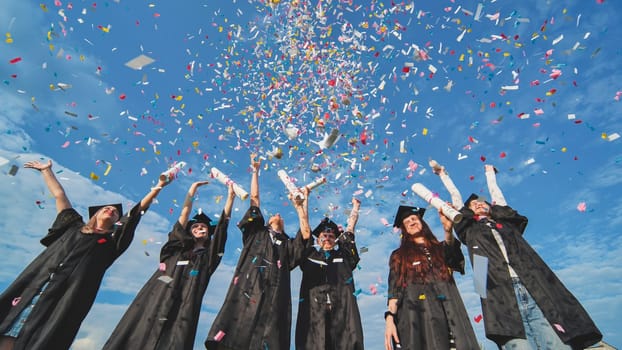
256, 313
165, 313
74, 265
327, 277
426, 311
502, 319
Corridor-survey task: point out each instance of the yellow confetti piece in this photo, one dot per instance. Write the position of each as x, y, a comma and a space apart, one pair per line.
425, 131
421, 296
9, 39
603, 136
43, 7
195, 144
94, 177
179, 98
564, 149
108, 169
144, 241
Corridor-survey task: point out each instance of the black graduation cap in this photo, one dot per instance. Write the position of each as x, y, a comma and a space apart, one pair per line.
326, 225
475, 197
200, 217
95, 208
405, 211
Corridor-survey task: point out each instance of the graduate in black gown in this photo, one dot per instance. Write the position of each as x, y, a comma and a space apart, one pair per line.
328, 315
256, 313
426, 311
165, 313
526, 306
45, 305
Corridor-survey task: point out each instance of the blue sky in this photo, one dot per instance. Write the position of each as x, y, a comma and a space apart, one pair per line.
532, 87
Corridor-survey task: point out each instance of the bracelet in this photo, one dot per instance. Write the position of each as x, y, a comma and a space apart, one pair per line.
389, 313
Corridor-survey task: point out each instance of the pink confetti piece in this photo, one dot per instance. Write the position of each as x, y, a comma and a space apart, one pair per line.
559, 328
162, 267
16, 301
582, 207
384, 222
65, 145
219, 336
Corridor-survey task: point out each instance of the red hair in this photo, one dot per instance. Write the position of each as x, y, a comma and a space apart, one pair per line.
410, 263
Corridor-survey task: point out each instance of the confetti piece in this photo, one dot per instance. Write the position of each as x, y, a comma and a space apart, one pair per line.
582, 207
137, 63
165, 279
13, 170
219, 336
15, 60
478, 318
559, 328
613, 137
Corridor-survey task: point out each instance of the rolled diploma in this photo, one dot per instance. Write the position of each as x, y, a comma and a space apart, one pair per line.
290, 185
316, 183
171, 173
437, 203
225, 180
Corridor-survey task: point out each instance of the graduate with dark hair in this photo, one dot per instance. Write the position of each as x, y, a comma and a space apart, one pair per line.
525, 305
165, 313
328, 315
426, 311
256, 313
45, 305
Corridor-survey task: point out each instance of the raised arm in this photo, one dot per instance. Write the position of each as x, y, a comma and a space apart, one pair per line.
255, 165
496, 195
302, 209
62, 202
456, 197
354, 215
151, 195
230, 200
186, 210
447, 227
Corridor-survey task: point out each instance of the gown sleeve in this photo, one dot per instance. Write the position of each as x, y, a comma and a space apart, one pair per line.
462, 227
64, 219
178, 239
348, 246
453, 256
217, 243
251, 223
125, 228
509, 216
296, 247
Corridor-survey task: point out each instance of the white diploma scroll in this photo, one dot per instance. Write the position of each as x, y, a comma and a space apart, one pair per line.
437, 203
290, 185
225, 180
171, 173
316, 183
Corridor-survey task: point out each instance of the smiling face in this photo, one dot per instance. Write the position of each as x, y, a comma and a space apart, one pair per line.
412, 225
108, 213
199, 230
327, 239
276, 222
479, 207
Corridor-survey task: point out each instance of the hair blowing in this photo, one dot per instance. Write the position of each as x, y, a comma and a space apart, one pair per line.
404, 262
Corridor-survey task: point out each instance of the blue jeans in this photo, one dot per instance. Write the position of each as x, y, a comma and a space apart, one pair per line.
540, 334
